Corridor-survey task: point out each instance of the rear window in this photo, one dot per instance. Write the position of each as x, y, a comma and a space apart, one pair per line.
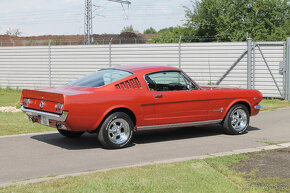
101, 78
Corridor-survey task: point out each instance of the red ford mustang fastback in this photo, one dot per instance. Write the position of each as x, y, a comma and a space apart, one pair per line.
116, 102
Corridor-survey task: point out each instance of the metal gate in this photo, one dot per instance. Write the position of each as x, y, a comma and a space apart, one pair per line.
277, 72
267, 68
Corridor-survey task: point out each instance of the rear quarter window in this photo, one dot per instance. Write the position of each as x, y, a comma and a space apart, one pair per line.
101, 78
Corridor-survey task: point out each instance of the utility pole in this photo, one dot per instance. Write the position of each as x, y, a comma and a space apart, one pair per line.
88, 21
88, 24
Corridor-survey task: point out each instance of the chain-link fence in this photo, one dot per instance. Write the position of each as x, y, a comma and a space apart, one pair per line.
108, 39
55, 42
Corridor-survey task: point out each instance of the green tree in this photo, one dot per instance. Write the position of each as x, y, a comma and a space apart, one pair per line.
129, 29
287, 27
172, 35
263, 20
150, 30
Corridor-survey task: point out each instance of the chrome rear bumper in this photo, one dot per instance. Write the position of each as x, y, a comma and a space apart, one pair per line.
51, 116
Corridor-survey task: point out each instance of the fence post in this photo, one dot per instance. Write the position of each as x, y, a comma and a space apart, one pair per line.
254, 66
179, 53
49, 63
110, 53
287, 78
249, 62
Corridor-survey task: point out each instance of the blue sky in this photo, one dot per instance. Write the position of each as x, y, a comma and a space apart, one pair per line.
57, 17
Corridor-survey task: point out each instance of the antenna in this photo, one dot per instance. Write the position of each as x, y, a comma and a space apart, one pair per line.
88, 22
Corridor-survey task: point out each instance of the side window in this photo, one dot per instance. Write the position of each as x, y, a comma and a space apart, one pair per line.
167, 81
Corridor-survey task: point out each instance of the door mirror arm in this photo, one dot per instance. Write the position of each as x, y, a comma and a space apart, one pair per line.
189, 87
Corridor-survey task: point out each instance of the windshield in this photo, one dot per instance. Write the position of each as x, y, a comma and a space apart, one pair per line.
101, 78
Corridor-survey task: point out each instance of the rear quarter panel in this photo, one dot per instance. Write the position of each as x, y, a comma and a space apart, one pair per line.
87, 111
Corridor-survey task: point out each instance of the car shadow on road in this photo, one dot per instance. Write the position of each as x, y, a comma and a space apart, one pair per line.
90, 141
181, 133
87, 141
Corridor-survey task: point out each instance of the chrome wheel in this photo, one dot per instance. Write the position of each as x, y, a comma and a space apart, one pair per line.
239, 119
119, 131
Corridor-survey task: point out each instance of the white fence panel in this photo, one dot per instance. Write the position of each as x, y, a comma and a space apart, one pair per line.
28, 67
157, 54
24, 67
71, 62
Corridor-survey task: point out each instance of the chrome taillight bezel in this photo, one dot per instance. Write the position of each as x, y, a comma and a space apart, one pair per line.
59, 107
25, 102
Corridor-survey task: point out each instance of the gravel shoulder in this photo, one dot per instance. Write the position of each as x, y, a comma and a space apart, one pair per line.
9, 109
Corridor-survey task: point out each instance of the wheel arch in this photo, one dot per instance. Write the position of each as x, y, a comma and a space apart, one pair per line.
126, 110
243, 102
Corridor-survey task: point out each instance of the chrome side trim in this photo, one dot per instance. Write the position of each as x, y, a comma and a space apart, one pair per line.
50, 116
258, 107
155, 127
219, 110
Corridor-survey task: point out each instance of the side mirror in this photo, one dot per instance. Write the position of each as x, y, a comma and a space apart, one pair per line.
189, 87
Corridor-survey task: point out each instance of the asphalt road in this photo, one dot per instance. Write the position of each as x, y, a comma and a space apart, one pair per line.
38, 155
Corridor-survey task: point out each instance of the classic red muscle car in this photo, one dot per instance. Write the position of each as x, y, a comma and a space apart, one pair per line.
116, 102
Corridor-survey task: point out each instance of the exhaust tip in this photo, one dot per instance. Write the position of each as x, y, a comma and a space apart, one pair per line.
32, 119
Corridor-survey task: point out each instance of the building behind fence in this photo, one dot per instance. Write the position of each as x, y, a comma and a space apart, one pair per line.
259, 65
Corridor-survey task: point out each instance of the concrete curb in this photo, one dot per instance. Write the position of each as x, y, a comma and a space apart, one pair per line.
212, 155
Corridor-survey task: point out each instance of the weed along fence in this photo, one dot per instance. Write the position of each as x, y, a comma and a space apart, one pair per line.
259, 65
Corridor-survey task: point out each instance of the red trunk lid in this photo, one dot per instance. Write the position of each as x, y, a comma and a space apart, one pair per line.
47, 99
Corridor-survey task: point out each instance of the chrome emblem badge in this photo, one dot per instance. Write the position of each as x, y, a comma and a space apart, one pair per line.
41, 105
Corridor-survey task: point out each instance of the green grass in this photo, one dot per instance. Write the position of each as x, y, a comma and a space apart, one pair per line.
9, 97
269, 142
208, 175
248, 181
17, 123
273, 104
189, 176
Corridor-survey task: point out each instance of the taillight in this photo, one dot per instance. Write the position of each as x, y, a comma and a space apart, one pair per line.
25, 102
59, 107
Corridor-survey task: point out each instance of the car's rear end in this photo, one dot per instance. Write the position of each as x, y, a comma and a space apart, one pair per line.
44, 107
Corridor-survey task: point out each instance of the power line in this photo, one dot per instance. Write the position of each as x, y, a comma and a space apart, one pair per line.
120, 1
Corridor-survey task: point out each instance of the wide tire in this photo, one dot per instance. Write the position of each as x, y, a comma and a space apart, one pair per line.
237, 120
70, 134
116, 131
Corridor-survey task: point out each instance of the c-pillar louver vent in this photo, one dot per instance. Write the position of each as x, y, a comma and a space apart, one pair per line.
129, 84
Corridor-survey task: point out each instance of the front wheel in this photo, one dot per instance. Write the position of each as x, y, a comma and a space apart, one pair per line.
116, 131
70, 134
237, 120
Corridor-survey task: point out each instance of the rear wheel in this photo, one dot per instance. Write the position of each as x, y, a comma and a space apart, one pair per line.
237, 120
116, 131
70, 134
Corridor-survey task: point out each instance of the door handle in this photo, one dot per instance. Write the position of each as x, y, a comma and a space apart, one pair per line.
158, 96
